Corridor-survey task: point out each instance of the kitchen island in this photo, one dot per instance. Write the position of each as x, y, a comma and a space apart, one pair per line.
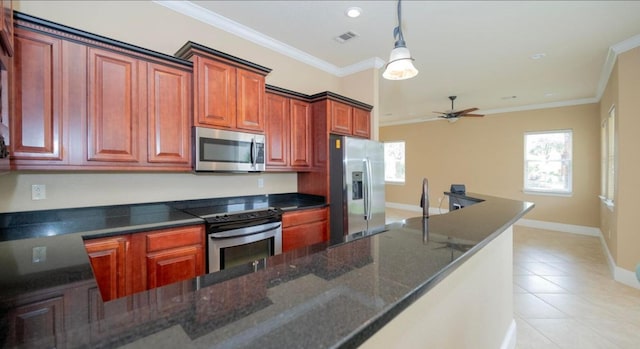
358, 292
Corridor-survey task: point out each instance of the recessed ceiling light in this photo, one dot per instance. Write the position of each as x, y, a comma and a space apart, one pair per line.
353, 12
538, 56
549, 94
509, 97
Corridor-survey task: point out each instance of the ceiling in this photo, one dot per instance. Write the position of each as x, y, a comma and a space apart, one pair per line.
480, 51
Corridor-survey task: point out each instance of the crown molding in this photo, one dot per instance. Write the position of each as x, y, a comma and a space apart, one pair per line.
209, 17
568, 103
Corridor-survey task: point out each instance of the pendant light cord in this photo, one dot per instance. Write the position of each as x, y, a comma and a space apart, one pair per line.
397, 31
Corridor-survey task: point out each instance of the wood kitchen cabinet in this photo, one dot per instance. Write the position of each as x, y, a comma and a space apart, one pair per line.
173, 255
6, 26
303, 228
229, 92
112, 264
36, 125
131, 263
331, 113
116, 109
39, 324
348, 120
289, 133
81, 104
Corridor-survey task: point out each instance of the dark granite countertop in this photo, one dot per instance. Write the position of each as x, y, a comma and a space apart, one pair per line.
316, 297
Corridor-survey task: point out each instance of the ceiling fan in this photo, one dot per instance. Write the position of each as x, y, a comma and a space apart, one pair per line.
453, 115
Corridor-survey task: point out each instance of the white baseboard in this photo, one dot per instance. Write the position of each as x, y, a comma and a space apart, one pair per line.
509, 341
414, 208
567, 228
621, 275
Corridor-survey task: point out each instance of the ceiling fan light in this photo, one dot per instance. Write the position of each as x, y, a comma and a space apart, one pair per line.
400, 66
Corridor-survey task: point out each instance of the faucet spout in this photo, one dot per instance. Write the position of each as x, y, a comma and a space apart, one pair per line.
424, 199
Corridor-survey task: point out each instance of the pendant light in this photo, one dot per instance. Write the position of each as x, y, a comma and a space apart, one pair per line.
400, 66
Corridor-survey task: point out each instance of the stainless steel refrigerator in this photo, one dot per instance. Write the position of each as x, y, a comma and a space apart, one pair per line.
356, 186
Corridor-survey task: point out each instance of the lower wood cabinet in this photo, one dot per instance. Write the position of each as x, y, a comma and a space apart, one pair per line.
303, 228
39, 324
132, 263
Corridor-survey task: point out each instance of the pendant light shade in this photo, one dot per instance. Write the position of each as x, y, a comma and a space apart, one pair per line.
400, 65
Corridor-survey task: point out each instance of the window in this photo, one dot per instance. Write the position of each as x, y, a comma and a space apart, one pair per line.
394, 162
608, 158
547, 162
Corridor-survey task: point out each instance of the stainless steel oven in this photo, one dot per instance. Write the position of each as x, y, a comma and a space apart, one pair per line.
243, 237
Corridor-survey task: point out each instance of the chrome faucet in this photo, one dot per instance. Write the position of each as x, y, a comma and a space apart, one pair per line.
424, 199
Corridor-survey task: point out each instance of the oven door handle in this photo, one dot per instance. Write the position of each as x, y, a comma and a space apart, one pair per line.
256, 229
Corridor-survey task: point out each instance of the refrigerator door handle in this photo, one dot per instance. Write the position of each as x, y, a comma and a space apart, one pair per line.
368, 189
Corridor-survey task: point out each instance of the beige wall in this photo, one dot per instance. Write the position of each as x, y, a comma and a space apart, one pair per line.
486, 154
157, 28
622, 91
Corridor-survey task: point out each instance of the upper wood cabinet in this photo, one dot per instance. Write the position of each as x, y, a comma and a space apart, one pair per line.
6, 26
116, 91
228, 91
169, 115
36, 126
348, 120
86, 106
289, 133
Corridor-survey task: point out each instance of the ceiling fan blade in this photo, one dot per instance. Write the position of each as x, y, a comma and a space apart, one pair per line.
467, 110
476, 115
440, 112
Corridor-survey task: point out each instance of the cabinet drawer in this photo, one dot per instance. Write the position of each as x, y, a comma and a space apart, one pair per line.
174, 237
303, 217
303, 235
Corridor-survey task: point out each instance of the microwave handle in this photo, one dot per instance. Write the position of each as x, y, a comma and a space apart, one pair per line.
254, 152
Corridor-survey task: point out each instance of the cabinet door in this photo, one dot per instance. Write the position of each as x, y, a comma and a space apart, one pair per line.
341, 116
301, 143
167, 267
114, 108
277, 130
36, 126
169, 110
173, 255
6, 26
108, 258
215, 85
361, 123
250, 107
304, 227
38, 325
303, 235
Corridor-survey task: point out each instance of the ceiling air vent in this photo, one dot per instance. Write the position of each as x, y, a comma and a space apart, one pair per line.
342, 38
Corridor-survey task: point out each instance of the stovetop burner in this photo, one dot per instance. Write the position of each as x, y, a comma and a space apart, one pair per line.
240, 216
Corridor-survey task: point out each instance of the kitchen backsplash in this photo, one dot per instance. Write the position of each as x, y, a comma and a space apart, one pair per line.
67, 190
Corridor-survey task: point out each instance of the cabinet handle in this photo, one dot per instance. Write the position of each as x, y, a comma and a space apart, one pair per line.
4, 151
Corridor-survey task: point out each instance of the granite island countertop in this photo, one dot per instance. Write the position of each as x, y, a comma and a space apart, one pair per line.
320, 296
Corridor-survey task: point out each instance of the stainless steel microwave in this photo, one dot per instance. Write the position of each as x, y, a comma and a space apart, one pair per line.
227, 151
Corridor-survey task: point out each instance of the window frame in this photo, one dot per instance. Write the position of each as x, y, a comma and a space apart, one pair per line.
608, 163
404, 162
548, 192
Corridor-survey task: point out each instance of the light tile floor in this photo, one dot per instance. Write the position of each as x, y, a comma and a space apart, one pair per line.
564, 294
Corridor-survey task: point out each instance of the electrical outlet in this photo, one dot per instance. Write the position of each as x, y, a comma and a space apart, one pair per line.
38, 192
39, 254
260, 182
